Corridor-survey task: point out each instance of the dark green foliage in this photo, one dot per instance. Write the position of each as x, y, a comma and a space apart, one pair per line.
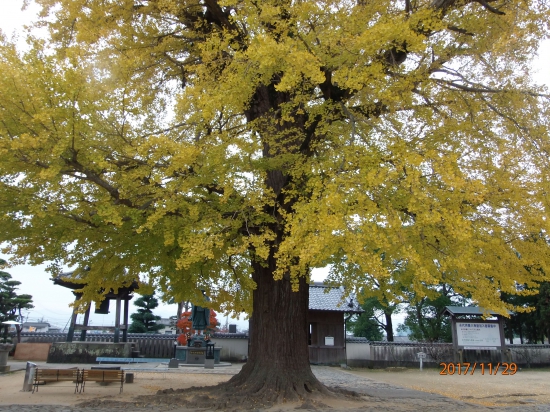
532, 326
143, 321
544, 309
367, 324
425, 321
364, 325
529, 327
11, 304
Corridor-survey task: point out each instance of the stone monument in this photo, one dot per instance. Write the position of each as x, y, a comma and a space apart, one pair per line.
197, 342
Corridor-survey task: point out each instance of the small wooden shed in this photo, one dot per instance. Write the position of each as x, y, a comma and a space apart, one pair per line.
326, 318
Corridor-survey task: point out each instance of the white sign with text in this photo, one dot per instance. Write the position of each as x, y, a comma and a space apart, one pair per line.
478, 334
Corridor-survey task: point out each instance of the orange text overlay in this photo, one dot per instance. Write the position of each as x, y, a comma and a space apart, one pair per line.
467, 368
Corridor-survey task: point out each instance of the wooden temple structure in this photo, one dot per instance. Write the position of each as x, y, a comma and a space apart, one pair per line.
326, 318
121, 298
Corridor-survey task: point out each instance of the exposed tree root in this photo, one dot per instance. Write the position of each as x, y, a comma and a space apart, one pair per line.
227, 396
230, 396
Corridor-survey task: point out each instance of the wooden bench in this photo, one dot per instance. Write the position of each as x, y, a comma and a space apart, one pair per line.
102, 376
42, 376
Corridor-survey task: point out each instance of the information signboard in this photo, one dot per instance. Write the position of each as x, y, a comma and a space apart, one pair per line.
478, 335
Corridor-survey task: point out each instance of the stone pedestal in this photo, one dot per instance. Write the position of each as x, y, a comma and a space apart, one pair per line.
5, 349
195, 356
209, 363
196, 341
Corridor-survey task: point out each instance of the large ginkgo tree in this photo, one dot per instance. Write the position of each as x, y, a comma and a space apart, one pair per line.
232, 146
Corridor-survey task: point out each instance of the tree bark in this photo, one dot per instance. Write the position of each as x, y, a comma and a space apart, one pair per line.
511, 336
278, 366
521, 336
389, 327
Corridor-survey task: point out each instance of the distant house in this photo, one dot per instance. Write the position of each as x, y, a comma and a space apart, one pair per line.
326, 318
402, 338
35, 327
169, 326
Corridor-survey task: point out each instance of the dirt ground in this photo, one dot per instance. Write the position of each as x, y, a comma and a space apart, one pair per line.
62, 393
527, 387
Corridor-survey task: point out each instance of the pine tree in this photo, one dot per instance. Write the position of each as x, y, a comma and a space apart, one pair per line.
11, 304
143, 321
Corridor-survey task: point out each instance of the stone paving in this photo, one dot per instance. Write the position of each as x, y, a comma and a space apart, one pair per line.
379, 397
385, 397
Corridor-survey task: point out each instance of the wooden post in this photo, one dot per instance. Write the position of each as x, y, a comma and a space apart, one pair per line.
117, 321
456, 356
503, 348
125, 330
70, 334
85, 323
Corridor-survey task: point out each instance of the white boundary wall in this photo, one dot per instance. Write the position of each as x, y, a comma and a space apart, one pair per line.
361, 353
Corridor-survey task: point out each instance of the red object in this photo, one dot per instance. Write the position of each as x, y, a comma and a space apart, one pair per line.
186, 326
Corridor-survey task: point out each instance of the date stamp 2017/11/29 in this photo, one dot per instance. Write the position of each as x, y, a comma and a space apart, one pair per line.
466, 368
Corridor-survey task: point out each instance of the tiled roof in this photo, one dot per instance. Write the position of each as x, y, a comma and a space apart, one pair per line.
68, 280
321, 297
469, 310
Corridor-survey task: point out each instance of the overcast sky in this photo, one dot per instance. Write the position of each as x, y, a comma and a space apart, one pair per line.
51, 302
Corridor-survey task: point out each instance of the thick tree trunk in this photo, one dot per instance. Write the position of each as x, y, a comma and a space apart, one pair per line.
278, 367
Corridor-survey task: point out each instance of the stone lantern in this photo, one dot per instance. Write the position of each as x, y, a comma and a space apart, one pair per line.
5, 349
